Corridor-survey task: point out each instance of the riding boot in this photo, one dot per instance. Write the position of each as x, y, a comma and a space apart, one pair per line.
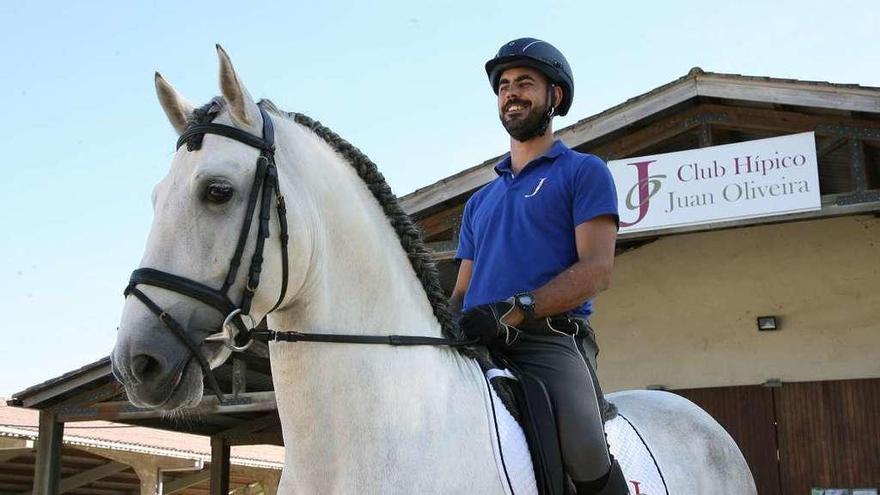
612, 483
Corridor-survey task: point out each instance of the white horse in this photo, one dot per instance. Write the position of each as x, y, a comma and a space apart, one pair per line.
356, 418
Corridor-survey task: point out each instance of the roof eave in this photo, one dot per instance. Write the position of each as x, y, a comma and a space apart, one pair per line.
34, 396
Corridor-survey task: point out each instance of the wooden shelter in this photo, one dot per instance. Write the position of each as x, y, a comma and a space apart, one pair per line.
91, 393
101, 457
809, 389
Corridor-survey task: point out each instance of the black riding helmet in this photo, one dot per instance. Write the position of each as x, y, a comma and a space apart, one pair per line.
539, 55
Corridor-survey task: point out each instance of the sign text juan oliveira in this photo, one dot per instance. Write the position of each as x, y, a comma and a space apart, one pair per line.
719, 183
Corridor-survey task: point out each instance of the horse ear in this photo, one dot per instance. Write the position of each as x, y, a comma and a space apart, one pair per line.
176, 107
242, 108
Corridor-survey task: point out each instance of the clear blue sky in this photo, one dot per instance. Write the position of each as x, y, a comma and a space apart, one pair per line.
83, 140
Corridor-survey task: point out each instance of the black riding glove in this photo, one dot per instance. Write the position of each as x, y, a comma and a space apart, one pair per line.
484, 323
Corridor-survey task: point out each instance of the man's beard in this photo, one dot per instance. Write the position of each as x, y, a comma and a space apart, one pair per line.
532, 125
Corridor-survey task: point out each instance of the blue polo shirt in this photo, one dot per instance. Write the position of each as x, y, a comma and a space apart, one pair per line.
519, 230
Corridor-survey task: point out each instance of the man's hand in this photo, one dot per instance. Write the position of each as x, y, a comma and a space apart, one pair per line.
491, 322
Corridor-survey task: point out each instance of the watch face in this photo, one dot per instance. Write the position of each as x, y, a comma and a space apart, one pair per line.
525, 299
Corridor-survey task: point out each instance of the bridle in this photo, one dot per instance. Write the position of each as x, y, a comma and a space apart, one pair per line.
265, 187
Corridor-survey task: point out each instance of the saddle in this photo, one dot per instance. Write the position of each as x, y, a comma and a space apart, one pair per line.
528, 401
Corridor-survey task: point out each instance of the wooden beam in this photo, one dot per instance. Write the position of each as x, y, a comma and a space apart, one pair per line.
219, 466
449, 218
627, 114
789, 93
733, 118
252, 426
84, 478
124, 411
10, 453
262, 438
851, 129
249, 489
89, 397
47, 468
442, 246
782, 121
90, 376
443, 255
631, 143
857, 164
704, 135
183, 483
449, 188
830, 146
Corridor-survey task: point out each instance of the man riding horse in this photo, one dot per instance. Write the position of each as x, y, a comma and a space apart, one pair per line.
536, 245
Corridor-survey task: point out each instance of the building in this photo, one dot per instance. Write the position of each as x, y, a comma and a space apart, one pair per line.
681, 313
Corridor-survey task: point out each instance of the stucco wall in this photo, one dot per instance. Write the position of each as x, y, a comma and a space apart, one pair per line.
681, 311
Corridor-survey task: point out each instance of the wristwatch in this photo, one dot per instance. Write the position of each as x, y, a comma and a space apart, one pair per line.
525, 301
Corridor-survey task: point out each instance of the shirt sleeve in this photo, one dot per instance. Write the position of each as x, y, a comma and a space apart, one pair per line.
594, 191
465, 249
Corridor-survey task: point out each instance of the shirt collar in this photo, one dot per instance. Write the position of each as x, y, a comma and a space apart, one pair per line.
558, 148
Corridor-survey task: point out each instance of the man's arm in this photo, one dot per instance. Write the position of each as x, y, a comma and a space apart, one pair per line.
590, 275
461, 286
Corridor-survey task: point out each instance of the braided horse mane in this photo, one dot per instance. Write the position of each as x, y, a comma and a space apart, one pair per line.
408, 232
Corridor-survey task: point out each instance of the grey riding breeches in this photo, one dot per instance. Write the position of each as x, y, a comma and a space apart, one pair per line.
566, 365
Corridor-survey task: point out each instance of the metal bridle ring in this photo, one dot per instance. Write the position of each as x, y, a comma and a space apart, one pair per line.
228, 328
227, 334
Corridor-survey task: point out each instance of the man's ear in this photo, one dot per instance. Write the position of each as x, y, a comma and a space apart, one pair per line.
557, 96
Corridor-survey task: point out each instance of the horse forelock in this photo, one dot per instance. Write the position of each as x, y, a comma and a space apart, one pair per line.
408, 233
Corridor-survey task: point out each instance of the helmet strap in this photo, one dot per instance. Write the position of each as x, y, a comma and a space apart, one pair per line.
551, 97
541, 128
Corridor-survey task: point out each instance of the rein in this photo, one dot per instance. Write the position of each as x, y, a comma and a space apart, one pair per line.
265, 335
239, 338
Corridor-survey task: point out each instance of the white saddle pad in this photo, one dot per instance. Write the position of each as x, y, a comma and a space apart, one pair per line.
518, 474
634, 456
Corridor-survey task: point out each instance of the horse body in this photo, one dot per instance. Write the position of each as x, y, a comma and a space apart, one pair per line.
355, 418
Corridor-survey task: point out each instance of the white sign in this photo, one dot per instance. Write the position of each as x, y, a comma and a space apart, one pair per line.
719, 183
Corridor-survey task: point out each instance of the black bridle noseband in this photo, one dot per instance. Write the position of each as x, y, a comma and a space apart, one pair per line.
265, 187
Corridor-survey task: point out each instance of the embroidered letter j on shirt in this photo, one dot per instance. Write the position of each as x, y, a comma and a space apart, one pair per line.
537, 188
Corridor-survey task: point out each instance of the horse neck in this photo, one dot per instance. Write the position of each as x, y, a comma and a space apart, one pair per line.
359, 279
341, 405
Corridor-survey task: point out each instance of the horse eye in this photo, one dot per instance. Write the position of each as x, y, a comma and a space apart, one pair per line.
219, 192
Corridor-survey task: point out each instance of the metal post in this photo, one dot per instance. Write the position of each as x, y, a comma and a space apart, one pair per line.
239, 376
219, 466
48, 464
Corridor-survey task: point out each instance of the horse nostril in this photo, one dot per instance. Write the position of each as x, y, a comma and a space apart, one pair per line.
144, 368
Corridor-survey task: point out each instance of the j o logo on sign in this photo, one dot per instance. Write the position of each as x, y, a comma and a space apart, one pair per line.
646, 186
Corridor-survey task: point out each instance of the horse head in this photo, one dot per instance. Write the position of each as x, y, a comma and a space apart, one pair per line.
207, 220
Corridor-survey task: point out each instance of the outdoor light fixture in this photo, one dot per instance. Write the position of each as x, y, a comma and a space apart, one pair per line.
767, 323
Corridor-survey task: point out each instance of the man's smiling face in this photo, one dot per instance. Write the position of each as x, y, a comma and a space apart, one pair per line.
522, 100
